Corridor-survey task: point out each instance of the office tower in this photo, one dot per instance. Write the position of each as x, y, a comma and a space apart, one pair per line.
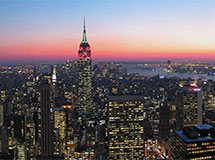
209, 96
152, 115
19, 127
60, 118
125, 127
85, 130
189, 107
46, 126
193, 142
164, 120
30, 145
84, 75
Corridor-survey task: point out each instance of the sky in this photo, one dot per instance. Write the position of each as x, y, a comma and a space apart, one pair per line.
116, 29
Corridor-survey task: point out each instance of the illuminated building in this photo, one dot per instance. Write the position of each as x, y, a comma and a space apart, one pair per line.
194, 143
84, 137
189, 107
30, 143
152, 115
3, 95
84, 75
62, 118
54, 76
60, 121
125, 127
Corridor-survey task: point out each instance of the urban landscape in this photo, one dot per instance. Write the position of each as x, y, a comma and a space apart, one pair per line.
86, 109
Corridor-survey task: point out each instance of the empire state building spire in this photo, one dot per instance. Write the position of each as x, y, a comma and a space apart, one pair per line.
84, 38
84, 103
84, 48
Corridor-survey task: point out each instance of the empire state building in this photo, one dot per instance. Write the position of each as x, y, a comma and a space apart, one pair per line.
84, 74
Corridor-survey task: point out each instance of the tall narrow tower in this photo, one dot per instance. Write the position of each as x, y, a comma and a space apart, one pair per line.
46, 126
54, 75
84, 74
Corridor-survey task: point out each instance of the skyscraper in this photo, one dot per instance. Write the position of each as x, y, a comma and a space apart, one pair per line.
54, 75
189, 107
46, 133
193, 142
164, 120
84, 74
85, 130
125, 127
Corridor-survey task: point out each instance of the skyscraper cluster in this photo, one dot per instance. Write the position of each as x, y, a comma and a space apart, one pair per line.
87, 111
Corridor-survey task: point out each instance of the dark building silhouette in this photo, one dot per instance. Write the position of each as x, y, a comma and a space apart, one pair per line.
19, 127
4, 147
35, 119
46, 130
164, 120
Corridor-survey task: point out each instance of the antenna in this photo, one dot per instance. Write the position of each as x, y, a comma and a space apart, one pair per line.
84, 24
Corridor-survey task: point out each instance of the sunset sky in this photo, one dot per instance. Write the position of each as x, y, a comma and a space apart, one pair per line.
116, 29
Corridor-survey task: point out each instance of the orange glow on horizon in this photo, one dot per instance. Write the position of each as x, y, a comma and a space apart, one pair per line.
65, 49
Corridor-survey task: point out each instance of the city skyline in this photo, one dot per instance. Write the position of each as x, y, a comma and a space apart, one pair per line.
107, 110
118, 30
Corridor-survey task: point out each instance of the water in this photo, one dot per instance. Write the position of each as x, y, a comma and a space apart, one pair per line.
151, 71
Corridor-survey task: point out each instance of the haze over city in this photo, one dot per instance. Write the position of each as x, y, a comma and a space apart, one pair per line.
117, 29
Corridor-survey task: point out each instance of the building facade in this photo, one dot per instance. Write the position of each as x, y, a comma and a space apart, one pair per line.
46, 123
84, 75
189, 108
193, 142
125, 127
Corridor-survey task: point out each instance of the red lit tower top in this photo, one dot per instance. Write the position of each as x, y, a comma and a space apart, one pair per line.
84, 49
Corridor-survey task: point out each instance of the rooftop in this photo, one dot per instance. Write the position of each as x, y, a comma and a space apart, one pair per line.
204, 126
197, 133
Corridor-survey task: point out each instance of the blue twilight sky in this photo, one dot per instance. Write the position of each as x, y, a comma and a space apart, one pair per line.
116, 29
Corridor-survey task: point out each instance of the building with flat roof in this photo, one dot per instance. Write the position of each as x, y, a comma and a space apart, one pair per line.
194, 142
